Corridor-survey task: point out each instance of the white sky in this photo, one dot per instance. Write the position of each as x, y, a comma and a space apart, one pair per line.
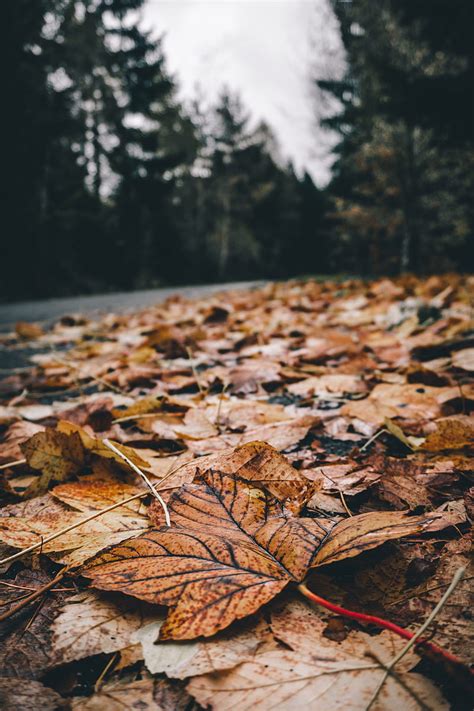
265, 49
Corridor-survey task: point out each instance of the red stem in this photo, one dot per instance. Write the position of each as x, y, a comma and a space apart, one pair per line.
380, 622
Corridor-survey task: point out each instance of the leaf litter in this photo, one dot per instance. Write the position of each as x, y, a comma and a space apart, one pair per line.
312, 445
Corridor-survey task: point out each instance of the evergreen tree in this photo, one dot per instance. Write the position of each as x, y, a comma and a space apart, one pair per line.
392, 206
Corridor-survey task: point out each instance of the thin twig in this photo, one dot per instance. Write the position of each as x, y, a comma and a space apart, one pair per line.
57, 534
33, 616
16, 463
136, 469
98, 683
454, 583
341, 493
343, 501
136, 417
219, 406
373, 438
29, 598
425, 592
195, 373
86, 519
5, 603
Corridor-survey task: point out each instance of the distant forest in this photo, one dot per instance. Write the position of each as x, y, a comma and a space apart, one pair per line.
113, 184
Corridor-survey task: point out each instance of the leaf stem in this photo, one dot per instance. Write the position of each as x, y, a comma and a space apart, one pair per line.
136, 469
380, 622
458, 575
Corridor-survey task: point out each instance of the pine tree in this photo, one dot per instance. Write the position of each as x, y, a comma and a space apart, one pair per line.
391, 208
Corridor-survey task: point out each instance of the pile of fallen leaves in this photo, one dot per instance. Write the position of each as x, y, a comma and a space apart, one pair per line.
302, 440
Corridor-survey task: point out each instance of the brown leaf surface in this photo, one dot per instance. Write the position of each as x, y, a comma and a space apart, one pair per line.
287, 680
120, 695
97, 447
259, 464
55, 454
27, 695
451, 433
76, 546
25, 642
230, 550
184, 659
95, 495
89, 624
361, 533
252, 412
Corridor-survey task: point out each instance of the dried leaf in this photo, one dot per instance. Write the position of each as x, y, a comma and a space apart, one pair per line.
25, 642
184, 659
260, 464
120, 695
27, 330
95, 495
287, 680
55, 454
88, 624
464, 359
97, 447
230, 550
361, 533
75, 546
27, 695
451, 433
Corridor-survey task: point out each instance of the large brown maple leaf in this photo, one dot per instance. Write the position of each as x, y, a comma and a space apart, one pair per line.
231, 549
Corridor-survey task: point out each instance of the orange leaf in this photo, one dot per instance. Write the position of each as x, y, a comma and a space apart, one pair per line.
230, 550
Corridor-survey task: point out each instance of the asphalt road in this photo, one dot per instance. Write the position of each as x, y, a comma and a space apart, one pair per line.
50, 309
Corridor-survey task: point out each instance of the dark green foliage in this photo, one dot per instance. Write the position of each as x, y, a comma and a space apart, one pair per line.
405, 160
112, 185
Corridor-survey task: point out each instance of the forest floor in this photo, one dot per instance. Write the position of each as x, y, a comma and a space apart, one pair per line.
255, 499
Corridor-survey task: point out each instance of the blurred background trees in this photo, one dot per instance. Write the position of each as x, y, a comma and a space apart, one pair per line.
405, 159
113, 184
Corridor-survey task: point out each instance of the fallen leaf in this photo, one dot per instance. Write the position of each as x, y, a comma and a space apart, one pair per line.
94, 495
28, 330
26, 695
196, 426
184, 659
464, 359
89, 624
280, 435
260, 464
56, 455
369, 530
75, 546
97, 447
330, 385
25, 642
451, 433
287, 680
120, 695
230, 550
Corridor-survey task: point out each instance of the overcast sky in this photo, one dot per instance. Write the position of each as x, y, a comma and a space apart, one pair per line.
265, 49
